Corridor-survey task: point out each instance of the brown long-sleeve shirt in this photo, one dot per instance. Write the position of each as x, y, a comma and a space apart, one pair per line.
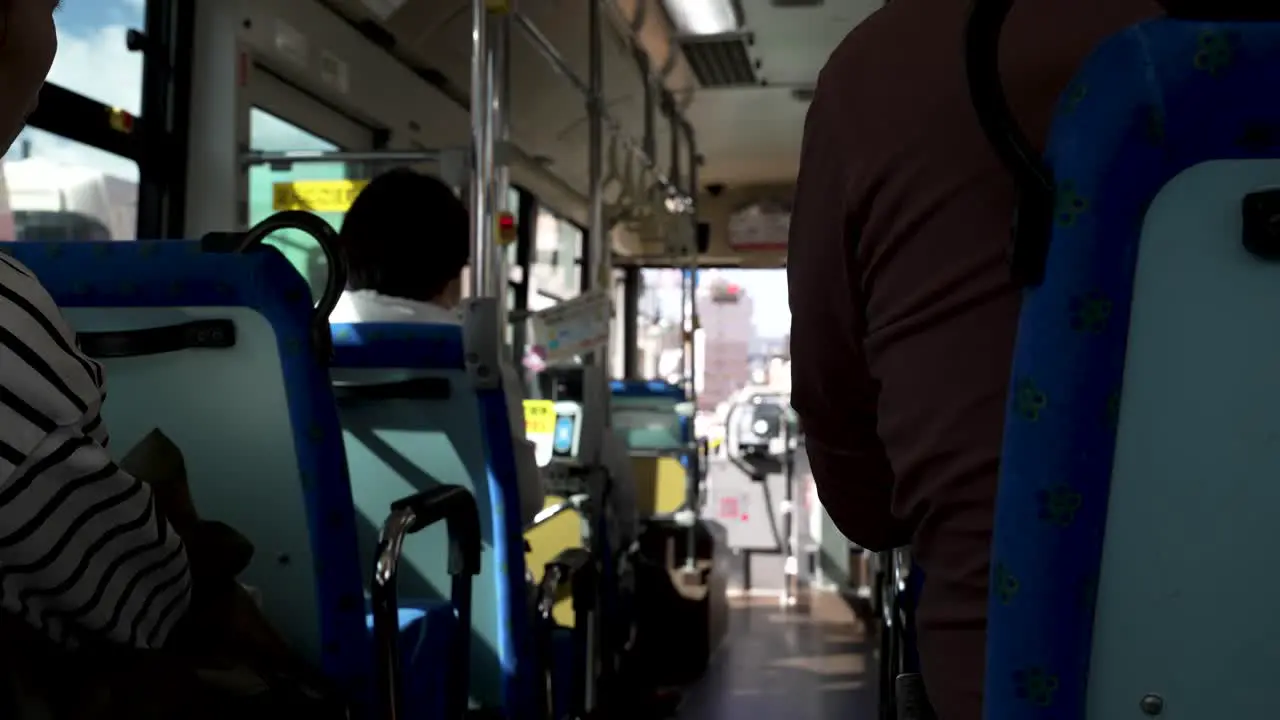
903, 313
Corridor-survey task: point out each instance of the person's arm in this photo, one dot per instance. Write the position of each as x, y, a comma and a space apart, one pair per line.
832, 391
83, 550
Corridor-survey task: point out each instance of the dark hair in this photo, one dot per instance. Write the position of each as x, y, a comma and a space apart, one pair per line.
406, 235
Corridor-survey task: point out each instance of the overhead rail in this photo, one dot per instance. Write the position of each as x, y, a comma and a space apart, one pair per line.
642, 150
289, 157
668, 200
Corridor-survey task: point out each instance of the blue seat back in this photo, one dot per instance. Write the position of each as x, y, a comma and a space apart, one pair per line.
256, 422
400, 445
1140, 460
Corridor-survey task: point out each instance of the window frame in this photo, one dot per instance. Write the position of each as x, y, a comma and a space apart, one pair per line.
157, 140
580, 252
286, 102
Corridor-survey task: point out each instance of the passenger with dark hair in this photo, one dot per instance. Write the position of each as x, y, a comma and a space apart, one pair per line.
407, 239
84, 553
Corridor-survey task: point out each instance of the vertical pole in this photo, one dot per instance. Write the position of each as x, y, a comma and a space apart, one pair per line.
599, 261
599, 257
630, 323
673, 117
499, 54
686, 341
691, 393
481, 150
692, 189
791, 566
650, 105
525, 220
499, 61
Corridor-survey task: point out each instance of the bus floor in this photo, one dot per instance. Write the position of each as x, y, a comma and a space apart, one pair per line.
809, 662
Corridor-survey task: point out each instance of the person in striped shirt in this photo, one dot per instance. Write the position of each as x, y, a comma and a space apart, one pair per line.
84, 555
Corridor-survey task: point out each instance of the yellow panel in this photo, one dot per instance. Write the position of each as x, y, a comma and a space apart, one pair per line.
661, 485
539, 417
546, 541
316, 195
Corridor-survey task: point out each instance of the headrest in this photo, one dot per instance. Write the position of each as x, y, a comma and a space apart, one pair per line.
416, 346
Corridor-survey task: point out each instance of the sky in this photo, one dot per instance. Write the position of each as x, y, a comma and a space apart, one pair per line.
768, 292
94, 61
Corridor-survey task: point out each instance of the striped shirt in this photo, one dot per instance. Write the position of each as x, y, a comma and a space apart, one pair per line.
83, 552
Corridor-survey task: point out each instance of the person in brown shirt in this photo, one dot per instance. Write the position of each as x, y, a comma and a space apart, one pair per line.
903, 309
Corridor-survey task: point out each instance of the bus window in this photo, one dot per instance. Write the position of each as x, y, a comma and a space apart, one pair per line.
272, 134
93, 57
555, 265
55, 188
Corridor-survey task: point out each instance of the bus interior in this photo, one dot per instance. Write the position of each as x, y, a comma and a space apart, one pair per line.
628, 166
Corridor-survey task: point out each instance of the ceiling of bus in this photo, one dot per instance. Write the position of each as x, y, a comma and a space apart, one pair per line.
750, 136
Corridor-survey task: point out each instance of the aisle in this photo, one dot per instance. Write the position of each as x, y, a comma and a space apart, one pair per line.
804, 664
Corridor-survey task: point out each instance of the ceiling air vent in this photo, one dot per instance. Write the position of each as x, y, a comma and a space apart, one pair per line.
720, 61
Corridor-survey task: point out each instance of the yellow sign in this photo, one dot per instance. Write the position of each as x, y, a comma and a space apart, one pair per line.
539, 417
316, 195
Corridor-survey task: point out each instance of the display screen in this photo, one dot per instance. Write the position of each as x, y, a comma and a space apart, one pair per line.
562, 443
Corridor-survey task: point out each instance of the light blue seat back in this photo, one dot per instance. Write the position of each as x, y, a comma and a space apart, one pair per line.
1135, 523
256, 422
400, 445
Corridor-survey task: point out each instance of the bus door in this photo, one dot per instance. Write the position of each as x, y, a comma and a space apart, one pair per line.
284, 119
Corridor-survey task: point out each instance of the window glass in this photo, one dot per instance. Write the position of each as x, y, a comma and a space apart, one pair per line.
515, 273
54, 188
555, 264
93, 59
269, 133
509, 336
57, 188
617, 336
